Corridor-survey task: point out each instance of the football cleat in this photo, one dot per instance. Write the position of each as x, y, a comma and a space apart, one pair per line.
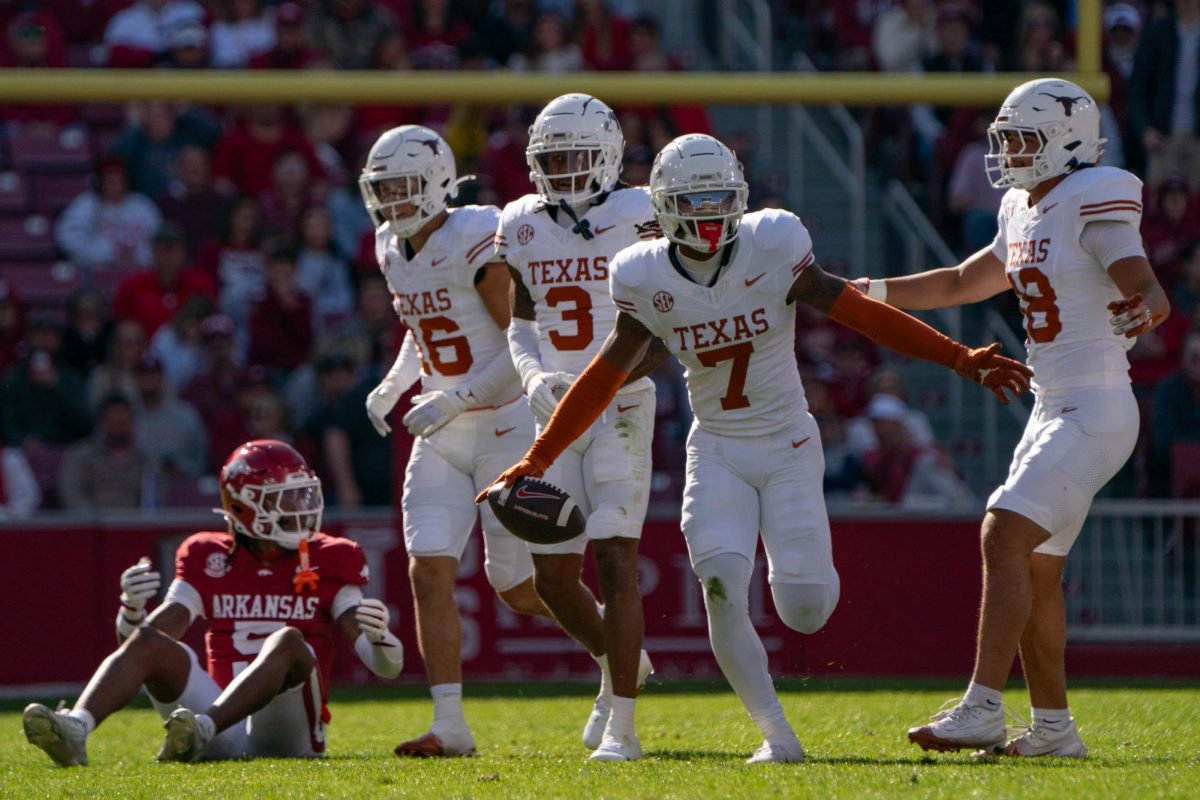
1039, 740
597, 721
456, 744
185, 740
62, 737
778, 752
960, 727
625, 748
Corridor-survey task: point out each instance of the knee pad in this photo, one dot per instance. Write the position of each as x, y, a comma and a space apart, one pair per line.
805, 607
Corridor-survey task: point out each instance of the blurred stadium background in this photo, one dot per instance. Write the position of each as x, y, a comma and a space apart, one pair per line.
180, 227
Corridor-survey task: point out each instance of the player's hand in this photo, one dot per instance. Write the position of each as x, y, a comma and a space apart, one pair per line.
544, 391
380, 403
373, 619
1131, 317
139, 585
431, 411
529, 466
988, 368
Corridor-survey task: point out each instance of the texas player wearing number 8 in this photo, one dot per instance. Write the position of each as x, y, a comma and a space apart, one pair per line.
1068, 244
272, 589
719, 291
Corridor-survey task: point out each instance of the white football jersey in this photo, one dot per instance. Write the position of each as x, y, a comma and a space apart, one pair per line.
438, 302
1063, 290
735, 340
567, 275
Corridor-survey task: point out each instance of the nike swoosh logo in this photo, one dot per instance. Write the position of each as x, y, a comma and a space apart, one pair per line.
500, 432
528, 494
437, 261
1068, 409
622, 409
754, 280
801, 442
605, 228
1046, 210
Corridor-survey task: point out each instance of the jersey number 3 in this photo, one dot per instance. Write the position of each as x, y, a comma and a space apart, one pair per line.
735, 394
1037, 304
581, 315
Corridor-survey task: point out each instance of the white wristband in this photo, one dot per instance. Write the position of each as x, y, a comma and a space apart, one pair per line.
877, 290
385, 658
125, 626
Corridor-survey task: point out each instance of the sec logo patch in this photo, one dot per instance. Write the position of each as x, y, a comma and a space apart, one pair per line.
663, 301
216, 565
525, 234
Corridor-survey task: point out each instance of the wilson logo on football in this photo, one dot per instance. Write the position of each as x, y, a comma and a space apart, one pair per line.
524, 493
663, 301
525, 234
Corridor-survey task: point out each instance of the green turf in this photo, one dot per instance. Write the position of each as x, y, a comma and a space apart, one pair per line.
1145, 743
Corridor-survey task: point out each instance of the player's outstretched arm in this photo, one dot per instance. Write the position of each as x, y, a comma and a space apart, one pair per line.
979, 277
367, 628
894, 329
585, 401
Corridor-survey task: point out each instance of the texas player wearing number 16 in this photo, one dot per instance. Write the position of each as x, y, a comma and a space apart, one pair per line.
1068, 245
273, 589
718, 291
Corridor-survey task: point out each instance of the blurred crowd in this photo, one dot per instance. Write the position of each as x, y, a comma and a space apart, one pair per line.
176, 277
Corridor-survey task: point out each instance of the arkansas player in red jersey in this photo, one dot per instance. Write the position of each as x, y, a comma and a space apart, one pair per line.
273, 589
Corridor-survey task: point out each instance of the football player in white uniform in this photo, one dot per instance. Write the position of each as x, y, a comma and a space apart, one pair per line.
472, 417
719, 292
558, 243
1069, 246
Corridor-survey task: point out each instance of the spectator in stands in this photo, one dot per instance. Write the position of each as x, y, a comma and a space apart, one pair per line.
220, 375
12, 327
904, 35
291, 50
1185, 295
291, 192
191, 201
19, 492
603, 36
178, 345
39, 397
347, 214
107, 470
166, 428
153, 296
236, 261
320, 272
108, 224
372, 319
139, 35
1164, 94
507, 28
503, 167
1176, 414
116, 374
435, 30
971, 195
358, 459
243, 30
33, 41
154, 135
1169, 227
347, 32
85, 341
189, 46
330, 128
860, 431
281, 331
550, 48
852, 24
233, 418
245, 155
1039, 41
904, 473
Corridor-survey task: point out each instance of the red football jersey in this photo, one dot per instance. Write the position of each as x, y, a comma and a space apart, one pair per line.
246, 600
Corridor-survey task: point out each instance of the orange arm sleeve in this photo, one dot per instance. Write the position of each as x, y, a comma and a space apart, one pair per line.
582, 405
892, 328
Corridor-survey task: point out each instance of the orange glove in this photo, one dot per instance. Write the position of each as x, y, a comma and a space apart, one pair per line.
988, 368
1131, 316
530, 465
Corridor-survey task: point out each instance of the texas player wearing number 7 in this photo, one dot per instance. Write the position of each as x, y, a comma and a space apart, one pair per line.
1068, 244
272, 588
719, 292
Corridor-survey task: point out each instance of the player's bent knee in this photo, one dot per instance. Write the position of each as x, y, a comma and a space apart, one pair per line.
805, 607
149, 640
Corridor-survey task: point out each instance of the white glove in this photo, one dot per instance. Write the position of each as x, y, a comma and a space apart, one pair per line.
380, 403
544, 391
431, 411
139, 585
373, 618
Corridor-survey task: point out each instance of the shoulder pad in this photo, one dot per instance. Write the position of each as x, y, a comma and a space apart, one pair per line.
1109, 194
772, 227
628, 267
339, 558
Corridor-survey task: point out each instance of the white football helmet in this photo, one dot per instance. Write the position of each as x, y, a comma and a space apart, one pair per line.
577, 139
408, 165
698, 192
1064, 118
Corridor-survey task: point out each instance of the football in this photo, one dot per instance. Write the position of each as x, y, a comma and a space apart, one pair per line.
536, 511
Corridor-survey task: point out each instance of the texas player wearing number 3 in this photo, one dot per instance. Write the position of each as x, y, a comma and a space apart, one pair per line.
719, 292
1068, 244
272, 588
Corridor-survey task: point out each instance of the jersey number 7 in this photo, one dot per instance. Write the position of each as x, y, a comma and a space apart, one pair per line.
735, 396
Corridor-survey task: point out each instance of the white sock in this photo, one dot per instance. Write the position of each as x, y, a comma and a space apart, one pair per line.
620, 721
1055, 719
773, 724
980, 695
206, 726
447, 704
605, 676
84, 716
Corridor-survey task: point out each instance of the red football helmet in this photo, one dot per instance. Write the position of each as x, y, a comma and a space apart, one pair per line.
268, 491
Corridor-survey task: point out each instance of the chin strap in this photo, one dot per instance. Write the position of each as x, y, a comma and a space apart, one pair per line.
306, 576
582, 226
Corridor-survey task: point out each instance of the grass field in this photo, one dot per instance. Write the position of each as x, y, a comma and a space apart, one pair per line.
1144, 739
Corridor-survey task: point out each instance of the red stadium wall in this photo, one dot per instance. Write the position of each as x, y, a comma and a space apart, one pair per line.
910, 591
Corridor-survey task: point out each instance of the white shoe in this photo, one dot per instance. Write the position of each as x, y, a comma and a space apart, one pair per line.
597, 721
961, 727
778, 752
625, 748
62, 737
185, 739
1041, 741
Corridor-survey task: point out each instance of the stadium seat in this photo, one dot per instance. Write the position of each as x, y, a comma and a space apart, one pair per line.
14, 194
44, 283
54, 192
1185, 470
67, 150
27, 238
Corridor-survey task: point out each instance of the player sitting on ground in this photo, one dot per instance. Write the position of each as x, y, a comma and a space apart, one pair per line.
719, 292
272, 588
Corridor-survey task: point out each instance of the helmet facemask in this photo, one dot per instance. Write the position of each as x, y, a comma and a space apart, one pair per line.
704, 219
284, 513
402, 201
